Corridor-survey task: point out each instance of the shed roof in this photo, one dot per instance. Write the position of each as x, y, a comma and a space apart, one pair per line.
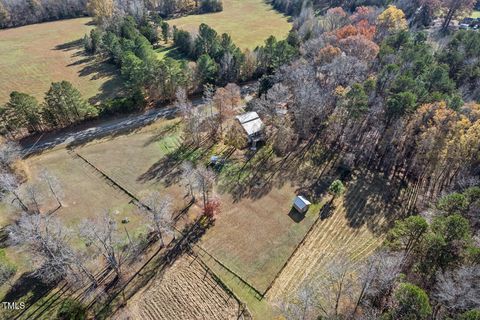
250, 122
301, 203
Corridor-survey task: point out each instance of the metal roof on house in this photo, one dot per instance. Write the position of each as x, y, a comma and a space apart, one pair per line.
301, 203
248, 116
250, 122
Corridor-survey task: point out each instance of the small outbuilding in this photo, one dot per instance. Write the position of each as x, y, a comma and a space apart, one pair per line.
301, 204
253, 127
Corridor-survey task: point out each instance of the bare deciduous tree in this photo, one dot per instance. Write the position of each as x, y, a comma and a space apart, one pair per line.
458, 290
304, 305
102, 233
203, 182
376, 275
386, 269
337, 283
187, 178
48, 242
53, 185
192, 117
9, 185
9, 153
159, 214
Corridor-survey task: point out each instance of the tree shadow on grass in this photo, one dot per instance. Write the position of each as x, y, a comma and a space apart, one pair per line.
71, 45
153, 268
371, 197
167, 168
28, 284
95, 69
170, 129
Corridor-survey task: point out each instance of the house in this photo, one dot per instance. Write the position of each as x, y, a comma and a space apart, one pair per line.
253, 127
301, 204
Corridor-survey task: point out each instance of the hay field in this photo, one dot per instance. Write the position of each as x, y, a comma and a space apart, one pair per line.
184, 291
249, 22
355, 229
31, 57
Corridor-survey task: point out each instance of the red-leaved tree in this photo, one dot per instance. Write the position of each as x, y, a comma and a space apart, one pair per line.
212, 208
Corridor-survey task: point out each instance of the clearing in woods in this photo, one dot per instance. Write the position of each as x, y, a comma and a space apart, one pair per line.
184, 291
34, 56
355, 229
249, 22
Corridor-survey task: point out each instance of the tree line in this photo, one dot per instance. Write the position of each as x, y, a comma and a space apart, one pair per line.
15, 13
419, 12
62, 106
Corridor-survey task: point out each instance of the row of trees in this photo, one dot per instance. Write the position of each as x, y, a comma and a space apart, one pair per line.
63, 105
129, 44
419, 12
219, 60
14, 13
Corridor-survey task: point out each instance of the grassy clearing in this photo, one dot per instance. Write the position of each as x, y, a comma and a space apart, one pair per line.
249, 22
149, 160
355, 228
31, 57
254, 238
475, 14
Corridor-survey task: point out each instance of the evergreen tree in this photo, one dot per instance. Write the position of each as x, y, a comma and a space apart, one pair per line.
21, 111
64, 105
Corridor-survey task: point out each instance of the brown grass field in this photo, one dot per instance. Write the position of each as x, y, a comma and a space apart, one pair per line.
355, 229
136, 161
184, 291
255, 237
249, 22
31, 57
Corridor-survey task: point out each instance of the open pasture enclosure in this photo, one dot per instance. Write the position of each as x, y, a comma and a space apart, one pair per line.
253, 237
249, 22
34, 56
260, 246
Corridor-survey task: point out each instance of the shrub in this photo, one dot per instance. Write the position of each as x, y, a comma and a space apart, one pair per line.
71, 310
211, 6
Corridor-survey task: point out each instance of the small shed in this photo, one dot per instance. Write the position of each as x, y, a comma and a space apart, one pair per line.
252, 125
301, 204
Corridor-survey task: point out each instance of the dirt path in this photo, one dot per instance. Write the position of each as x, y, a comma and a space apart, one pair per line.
185, 291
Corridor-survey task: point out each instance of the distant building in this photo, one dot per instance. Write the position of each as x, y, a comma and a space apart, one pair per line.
301, 204
253, 127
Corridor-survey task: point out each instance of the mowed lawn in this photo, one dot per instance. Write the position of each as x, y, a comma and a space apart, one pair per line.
31, 57
255, 237
136, 161
249, 22
475, 14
